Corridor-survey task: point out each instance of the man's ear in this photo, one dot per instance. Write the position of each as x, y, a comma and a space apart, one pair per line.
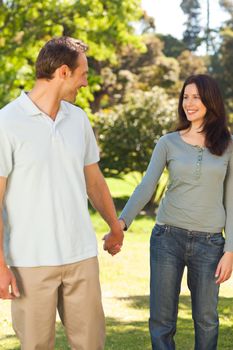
64, 72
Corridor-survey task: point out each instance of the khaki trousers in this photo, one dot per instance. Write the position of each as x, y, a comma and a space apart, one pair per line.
74, 290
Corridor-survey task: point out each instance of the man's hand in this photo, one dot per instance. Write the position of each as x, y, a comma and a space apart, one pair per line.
113, 241
224, 268
8, 281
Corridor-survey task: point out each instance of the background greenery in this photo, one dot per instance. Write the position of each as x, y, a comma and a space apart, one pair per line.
135, 73
135, 78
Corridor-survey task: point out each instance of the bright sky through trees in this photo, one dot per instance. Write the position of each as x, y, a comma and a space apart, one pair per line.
169, 17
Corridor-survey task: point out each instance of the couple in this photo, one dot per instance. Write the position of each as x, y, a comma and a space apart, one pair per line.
48, 250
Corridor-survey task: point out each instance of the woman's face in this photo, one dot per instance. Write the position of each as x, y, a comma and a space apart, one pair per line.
193, 107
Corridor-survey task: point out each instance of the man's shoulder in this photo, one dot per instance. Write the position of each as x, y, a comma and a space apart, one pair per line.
76, 113
7, 113
73, 109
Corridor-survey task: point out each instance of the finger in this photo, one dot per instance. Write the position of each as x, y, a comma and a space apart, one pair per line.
6, 295
226, 276
221, 277
218, 271
14, 288
219, 280
115, 248
114, 251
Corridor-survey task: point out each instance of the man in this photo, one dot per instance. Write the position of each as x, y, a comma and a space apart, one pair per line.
48, 166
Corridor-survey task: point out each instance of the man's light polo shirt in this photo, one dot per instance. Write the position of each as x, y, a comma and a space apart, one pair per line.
46, 219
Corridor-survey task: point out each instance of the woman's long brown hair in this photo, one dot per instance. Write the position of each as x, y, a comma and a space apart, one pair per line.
217, 134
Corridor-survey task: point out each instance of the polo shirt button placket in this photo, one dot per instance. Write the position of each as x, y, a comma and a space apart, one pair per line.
53, 133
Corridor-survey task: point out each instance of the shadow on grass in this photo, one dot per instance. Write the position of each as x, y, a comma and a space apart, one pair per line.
185, 332
134, 335
127, 335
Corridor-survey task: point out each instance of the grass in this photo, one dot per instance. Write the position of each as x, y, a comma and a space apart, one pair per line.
125, 289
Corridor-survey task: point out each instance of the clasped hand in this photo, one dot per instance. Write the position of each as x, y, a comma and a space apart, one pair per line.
113, 241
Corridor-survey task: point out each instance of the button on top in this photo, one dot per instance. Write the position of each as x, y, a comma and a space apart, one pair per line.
199, 161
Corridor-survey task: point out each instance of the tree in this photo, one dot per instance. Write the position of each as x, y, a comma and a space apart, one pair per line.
221, 61
227, 5
136, 69
190, 37
25, 25
128, 132
173, 47
191, 64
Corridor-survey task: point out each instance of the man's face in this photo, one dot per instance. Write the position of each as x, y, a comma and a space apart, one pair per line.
77, 79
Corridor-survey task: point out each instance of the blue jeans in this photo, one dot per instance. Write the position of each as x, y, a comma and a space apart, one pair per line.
171, 249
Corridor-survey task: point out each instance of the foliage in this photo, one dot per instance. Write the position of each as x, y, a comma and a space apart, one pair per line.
190, 37
221, 61
227, 5
173, 47
26, 25
164, 73
140, 70
128, 132
126, 70
191, 64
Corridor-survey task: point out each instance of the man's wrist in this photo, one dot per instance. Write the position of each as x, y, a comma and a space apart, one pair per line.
115, 228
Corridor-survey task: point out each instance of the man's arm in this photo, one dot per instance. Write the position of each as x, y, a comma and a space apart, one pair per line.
7, 279
101, 199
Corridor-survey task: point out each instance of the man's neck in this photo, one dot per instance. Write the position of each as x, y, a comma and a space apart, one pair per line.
46, 98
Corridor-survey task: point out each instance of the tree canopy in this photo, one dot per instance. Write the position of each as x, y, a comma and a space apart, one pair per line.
135, 73
26, 25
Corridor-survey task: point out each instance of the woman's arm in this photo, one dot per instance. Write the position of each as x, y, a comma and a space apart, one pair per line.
145, 189
224, 269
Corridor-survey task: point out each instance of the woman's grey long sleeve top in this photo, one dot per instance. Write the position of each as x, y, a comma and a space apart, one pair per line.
200, 191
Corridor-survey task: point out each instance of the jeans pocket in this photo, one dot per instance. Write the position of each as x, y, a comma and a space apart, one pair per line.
157, 233
217, 240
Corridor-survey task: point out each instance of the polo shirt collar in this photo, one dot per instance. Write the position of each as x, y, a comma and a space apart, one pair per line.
32, 110
27, 104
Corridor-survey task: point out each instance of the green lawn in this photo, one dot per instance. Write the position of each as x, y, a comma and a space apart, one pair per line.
125, 288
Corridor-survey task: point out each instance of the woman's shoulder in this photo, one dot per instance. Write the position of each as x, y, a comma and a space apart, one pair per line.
169, 137
167, 142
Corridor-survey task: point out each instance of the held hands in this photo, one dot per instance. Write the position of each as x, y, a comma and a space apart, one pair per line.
7, 280
224, 268
113, 241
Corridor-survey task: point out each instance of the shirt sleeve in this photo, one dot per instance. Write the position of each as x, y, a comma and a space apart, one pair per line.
91, 148
146, 188
6, 154
228, 203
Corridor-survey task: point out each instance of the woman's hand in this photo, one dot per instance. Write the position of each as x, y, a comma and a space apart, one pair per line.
224, 268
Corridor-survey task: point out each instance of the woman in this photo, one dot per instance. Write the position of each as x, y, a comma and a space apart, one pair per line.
191, 216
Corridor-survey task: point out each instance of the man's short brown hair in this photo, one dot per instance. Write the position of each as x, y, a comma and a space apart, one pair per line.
55, 53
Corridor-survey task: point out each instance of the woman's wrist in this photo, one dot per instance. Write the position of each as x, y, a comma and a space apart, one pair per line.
123, 224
